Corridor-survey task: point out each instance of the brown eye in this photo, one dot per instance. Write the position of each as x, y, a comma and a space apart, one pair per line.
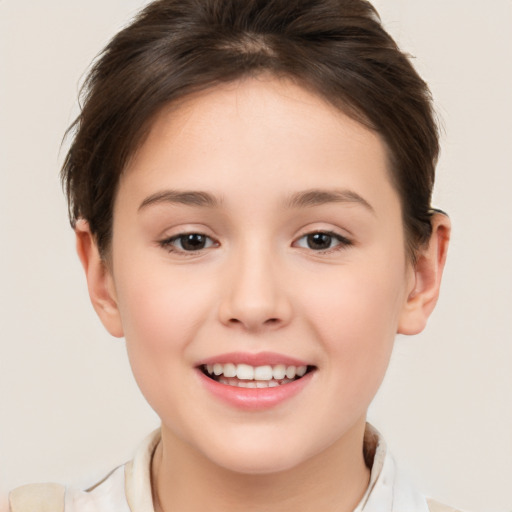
187, 242
319, 241
323, 241
192, 242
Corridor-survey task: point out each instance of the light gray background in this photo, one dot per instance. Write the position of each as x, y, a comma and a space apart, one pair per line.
69, 408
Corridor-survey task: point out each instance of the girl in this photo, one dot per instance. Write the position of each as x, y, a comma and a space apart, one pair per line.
250, 187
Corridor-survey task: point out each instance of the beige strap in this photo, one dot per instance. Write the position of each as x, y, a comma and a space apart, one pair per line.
435, 506
37, 498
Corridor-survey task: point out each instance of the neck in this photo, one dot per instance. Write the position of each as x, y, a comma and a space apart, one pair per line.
334, 480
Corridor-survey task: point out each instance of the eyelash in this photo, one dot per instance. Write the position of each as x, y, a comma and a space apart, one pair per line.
343, 242
168, 243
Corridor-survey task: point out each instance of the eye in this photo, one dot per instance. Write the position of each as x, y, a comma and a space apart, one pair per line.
323, 241
187, 242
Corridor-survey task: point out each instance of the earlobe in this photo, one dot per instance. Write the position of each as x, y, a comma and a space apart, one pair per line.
99, 279
428, 272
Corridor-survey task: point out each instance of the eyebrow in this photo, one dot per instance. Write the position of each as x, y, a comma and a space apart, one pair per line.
317, 197
304, 199
189, 198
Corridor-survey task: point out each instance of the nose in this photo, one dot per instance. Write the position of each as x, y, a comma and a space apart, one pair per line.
254, 295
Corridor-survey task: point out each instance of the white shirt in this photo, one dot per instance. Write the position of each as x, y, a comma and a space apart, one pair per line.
128, 488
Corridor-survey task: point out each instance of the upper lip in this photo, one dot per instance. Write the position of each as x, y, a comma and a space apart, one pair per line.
257, 359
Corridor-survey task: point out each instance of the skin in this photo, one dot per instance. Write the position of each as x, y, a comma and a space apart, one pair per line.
258, 285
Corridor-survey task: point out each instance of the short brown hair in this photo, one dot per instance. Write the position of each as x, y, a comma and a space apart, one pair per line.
336, 48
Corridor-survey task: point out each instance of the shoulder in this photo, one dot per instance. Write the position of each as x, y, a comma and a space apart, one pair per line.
126, 488
37, 498
107, 495
390, 488
435, 506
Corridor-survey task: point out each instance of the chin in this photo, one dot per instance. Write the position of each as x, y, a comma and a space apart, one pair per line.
255, 464
258, 457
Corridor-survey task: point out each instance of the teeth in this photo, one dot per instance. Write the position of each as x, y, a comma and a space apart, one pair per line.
279, 371
301, 371
253, 383
229, 370
290, 372
262, 374
245, 372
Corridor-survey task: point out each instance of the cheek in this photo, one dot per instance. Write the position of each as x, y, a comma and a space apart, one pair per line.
161, 311
161, 314
355, 317
156, 298
357, 309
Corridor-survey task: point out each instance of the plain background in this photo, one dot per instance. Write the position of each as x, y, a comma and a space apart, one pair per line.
69, 408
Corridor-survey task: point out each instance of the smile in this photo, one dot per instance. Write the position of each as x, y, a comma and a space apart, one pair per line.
255, 382
247, 376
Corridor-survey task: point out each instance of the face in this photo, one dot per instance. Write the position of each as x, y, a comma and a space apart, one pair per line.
259, 272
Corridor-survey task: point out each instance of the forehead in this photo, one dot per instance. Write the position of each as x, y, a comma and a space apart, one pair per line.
265, 133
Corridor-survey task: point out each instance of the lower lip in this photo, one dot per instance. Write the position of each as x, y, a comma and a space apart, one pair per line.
254, 399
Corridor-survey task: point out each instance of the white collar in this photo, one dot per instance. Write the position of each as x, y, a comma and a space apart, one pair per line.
388, 491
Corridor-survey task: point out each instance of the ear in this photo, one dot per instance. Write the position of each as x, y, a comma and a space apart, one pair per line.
99, 279
427, 274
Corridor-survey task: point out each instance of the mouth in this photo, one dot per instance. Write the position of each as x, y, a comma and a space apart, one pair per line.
247, 376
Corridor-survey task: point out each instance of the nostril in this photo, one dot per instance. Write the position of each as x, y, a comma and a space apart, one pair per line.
269, 321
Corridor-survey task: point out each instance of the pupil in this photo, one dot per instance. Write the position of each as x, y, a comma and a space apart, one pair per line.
319, 241
193, 242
